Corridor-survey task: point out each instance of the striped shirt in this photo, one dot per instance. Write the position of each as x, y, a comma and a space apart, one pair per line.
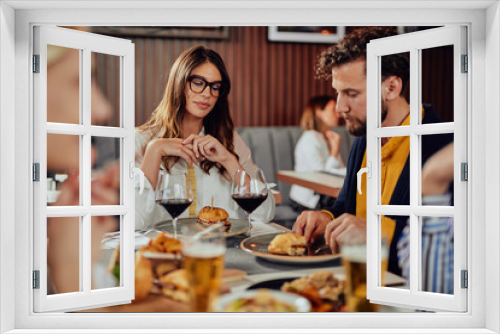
437, 251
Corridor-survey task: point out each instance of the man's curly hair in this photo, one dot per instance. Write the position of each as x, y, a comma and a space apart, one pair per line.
353, 47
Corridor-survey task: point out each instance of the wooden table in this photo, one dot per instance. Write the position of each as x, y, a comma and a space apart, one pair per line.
322, 183
277, 196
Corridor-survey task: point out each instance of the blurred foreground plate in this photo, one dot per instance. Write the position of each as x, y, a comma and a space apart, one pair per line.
238, 226
257, 246
273, 284
112, 240
299, 302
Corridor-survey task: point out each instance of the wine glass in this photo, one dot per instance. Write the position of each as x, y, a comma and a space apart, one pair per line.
174, 193
249, 190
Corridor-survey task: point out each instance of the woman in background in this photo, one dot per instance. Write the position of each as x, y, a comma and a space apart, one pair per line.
192, 131
317, 150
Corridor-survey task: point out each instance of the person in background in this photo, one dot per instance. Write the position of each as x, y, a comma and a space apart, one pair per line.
63, 258
345, 63
318, 149
437, 232
192, 131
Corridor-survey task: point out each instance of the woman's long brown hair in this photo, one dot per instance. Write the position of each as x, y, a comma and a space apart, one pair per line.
167, 117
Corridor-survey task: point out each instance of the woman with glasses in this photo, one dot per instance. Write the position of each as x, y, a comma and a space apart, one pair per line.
192, 131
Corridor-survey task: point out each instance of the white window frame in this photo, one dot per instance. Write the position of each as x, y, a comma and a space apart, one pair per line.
86, 43
483, 20
414, 43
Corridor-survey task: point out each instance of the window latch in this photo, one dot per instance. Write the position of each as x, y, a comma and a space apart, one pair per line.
368, 171
136, 171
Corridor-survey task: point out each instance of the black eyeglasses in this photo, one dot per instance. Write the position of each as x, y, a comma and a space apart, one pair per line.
198, 84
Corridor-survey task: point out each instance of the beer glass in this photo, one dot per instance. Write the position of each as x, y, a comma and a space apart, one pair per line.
204, 264
353, 250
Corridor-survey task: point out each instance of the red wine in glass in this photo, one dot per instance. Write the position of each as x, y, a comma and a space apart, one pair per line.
174, 193
249, 202
175, 206
249, 191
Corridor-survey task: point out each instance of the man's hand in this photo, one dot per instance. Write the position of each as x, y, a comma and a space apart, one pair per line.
311, 224
346, 225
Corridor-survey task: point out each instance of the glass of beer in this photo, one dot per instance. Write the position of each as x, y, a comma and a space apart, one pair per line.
204, 264
353, 250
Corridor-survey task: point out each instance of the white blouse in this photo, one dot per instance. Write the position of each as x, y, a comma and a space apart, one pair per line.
312, 155
148, 213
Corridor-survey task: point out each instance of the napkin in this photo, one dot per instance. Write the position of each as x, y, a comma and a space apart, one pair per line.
259, 227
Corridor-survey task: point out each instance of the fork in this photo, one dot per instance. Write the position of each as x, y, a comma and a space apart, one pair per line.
320, 249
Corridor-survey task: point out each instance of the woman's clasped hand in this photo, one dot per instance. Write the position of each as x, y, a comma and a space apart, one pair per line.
193, 149
208, 147
174, 147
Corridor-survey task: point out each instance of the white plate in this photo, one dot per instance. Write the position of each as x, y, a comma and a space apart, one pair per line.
238, 226
257, 246
111, 240
299, 302
161, 256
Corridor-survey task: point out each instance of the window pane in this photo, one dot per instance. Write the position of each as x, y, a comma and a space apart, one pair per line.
63, 162
395, 232
394, 154
105, 90
63, 255
437, 80
106, 259
106, 171
394, 66
437, 254
63, 85
438, 170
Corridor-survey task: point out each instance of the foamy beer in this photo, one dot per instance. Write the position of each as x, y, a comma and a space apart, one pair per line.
204, 264
354, 263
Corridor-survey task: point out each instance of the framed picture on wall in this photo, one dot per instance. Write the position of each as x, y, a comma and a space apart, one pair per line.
209, 32
306, 34
314, 34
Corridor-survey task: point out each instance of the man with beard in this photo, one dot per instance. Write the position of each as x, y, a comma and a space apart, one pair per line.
345, 63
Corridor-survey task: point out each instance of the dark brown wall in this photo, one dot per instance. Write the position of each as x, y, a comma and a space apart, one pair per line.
437, 80
271, 81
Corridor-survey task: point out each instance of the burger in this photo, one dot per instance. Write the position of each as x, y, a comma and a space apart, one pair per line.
143, 277
212, 215
175, 285
288, 244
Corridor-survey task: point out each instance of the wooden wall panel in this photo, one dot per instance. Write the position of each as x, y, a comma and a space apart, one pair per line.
271, 81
